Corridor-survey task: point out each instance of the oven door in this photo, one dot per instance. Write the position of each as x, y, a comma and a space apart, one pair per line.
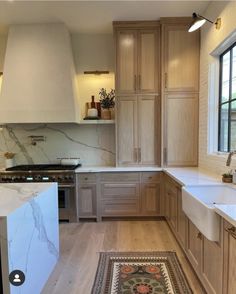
67, 203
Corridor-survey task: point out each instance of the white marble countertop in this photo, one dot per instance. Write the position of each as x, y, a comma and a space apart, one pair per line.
99, 169
227, 211
14, 195
188, 176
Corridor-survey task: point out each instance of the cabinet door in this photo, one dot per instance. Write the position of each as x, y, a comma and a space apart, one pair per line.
212, 266
182, 221
87, 200
148, 61
181, 138
149, 130
229, 259
194, 246
150, 199
127, 145
126, 61
120, 199
181, 58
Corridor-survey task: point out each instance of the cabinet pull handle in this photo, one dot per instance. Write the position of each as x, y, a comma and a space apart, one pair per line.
136, 154
139, 154
139, 82
166, 80
231, 231
135, 82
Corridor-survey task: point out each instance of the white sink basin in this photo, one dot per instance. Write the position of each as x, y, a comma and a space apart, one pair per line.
198, 204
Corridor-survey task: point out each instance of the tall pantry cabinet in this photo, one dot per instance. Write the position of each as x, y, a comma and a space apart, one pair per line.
138, 92
180, 79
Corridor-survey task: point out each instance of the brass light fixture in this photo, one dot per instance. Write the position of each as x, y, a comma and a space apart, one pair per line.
96, 72
199, 20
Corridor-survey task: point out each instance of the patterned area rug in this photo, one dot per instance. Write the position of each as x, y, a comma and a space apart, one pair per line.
140, 273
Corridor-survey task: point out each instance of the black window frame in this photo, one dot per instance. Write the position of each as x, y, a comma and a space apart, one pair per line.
229, 101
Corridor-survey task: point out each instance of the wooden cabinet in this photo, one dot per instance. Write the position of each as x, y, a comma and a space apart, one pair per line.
181, 136
229, 286
127, 133
181, 221
171, 203
137, 57
180, 58
87, 201
120, 195
206, 257
180, 86
87, 195
138, 126
150, 194
194, 246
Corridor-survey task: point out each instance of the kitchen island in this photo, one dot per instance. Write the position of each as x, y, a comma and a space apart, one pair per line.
29, 235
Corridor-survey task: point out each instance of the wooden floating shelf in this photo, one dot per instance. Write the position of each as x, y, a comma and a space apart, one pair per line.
97, 122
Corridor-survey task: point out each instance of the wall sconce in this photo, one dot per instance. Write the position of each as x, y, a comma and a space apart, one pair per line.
199, 20
96, 72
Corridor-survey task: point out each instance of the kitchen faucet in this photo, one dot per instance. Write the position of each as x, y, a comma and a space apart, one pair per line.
230, 157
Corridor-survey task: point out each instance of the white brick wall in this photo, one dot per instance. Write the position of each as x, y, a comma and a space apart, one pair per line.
210, 39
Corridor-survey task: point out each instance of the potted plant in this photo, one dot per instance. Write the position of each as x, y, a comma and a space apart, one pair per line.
107, 100
227, 177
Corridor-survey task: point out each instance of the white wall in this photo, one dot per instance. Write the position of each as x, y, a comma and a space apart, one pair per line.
95, 145
210, 40
93, 52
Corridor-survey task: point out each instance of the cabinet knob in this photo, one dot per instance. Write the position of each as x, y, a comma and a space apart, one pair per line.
86, 178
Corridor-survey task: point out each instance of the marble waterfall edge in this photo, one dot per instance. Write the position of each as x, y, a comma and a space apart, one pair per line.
29, 234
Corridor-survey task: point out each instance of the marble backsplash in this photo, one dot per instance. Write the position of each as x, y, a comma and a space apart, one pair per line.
93, 144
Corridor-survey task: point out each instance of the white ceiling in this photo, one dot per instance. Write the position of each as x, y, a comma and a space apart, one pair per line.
92, 16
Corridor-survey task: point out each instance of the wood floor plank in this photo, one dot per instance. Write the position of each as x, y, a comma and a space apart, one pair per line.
81, 243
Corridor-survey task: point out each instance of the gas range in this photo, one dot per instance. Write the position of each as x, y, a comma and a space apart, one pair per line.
62, 174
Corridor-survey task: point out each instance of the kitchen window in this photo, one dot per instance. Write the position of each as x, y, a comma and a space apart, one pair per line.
227, 100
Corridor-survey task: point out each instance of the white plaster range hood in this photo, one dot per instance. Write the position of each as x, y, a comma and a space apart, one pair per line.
39, 81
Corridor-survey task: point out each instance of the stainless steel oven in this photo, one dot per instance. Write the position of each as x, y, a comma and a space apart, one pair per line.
67, 202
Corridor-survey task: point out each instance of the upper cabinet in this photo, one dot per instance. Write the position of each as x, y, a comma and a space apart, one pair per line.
180, 58
180, 79
137, 57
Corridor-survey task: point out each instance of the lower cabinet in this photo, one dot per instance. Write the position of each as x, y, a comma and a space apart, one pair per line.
87, 201
206, 257
120, 199
229, 259
118, 194
150, 198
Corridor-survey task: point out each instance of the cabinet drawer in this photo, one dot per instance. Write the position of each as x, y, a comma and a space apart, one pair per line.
120, 191
87, 178
120, 177
120, 207
151, 177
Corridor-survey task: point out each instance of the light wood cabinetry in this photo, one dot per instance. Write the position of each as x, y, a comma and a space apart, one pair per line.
137, 57
87, 195
180, 58
181, 139
194, 246
206, 257
138, 122
229, 259
138, 126
120, 194
150, 194
180, 86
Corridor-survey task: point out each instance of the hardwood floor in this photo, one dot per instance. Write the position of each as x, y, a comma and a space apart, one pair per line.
81, 243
